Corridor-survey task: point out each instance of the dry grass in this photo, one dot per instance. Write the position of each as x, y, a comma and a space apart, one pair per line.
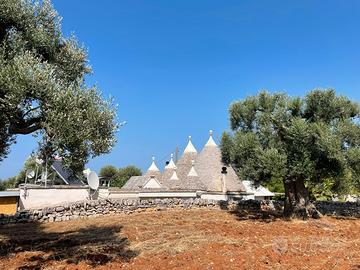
182, 239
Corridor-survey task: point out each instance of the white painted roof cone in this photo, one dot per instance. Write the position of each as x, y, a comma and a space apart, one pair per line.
171, 164
211, 141
192, 171
174, 175
190, 147
153, 166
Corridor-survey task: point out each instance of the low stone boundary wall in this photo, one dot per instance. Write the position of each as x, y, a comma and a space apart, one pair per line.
347, 209
85, 209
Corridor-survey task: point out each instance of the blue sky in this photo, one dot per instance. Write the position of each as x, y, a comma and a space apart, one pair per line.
175, 66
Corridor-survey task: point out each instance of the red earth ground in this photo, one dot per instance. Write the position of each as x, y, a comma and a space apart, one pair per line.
182, 239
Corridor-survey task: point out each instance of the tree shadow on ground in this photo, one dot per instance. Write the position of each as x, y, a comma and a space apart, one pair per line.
259, 214
96, 245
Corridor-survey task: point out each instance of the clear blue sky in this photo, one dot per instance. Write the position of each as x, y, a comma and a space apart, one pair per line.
175, 66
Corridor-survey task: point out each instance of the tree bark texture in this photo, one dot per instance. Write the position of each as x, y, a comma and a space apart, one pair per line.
297, 201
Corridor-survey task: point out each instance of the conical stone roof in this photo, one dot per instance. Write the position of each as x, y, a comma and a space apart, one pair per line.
193, 172
140, 182
209, 165
192, 180
153, 170
171, 164
173, 182
185, 162
169, 169
190, 148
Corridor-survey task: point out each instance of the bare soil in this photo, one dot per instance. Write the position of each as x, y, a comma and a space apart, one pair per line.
182, 239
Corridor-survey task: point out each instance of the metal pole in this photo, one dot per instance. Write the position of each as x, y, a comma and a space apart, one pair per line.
36, 174
46, 171
176, 154
53, 179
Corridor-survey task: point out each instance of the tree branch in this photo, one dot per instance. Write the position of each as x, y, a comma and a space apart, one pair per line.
31, 110
2, 32
13, 129
25, 127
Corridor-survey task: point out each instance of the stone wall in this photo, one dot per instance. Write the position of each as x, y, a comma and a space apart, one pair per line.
85, 209
347, 209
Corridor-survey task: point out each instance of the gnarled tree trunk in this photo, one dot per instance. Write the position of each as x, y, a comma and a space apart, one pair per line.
297, 201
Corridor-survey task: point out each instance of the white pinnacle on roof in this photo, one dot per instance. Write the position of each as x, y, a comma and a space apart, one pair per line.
171, 164
211, 141
192, 171
174, 175
153, 166
190, 147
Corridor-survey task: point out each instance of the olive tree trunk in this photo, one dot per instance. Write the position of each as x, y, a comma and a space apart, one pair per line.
297, 201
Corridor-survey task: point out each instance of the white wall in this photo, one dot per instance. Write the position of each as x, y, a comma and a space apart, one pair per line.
174, 194
249, 197
118, 195
103, 193
40, 198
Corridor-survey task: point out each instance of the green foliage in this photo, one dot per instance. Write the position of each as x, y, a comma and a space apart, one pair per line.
275, 185
124, 175
226, 146
120, 176
11, 182
334, 187
42, 89
109, 172
2, 185
314, 140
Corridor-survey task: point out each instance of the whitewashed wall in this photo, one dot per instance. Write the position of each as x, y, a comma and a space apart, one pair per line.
178, 194
216, 197
40, 197
118, 195
35, 198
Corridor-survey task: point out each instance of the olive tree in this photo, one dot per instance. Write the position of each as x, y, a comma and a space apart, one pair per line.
299, 140
124, 174
118, 177
43, 90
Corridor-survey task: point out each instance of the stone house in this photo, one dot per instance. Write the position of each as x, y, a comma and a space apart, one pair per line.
201, 173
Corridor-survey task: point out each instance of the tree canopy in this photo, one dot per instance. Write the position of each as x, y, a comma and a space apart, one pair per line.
43, 90
119, 177
302, 141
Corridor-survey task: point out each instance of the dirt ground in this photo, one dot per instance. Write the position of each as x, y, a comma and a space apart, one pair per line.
182, 239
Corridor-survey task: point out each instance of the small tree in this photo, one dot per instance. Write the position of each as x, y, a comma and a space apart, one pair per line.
11, 182
109, 172
118, 177
42, 89
124, 174
301, 141
226, 146
2, 185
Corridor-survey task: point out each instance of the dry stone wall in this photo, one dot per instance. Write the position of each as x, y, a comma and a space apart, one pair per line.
347, 209
86, 209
